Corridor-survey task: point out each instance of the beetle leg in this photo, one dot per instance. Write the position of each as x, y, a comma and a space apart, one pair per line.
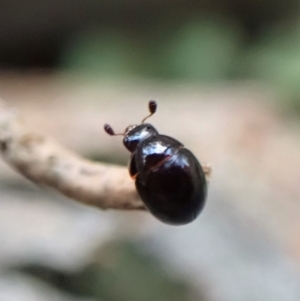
207, 171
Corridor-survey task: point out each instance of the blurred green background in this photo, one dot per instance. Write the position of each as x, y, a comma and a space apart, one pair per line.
227, 74
196, 41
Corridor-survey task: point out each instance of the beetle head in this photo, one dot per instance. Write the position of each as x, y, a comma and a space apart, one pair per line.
134, 134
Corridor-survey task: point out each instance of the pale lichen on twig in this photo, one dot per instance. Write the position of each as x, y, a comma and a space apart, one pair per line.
44, 162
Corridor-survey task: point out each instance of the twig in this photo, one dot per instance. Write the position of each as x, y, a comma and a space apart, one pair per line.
44, 162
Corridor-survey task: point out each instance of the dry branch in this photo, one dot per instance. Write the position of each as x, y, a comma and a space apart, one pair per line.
44, 162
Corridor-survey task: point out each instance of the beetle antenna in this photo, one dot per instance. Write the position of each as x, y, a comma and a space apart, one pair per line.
108, 129
152, 109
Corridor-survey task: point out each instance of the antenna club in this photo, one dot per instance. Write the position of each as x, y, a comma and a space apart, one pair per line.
152, 106
108, 129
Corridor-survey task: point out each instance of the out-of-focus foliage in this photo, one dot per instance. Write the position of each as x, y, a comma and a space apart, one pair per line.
106, 53
275, 59
123, 272
204, 41
201, 49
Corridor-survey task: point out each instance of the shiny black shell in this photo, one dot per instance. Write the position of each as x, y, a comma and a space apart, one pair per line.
168, 177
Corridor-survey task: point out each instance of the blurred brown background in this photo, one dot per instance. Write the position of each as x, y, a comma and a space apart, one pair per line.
226, 78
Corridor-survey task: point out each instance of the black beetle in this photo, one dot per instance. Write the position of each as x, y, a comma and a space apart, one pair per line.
168, 177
